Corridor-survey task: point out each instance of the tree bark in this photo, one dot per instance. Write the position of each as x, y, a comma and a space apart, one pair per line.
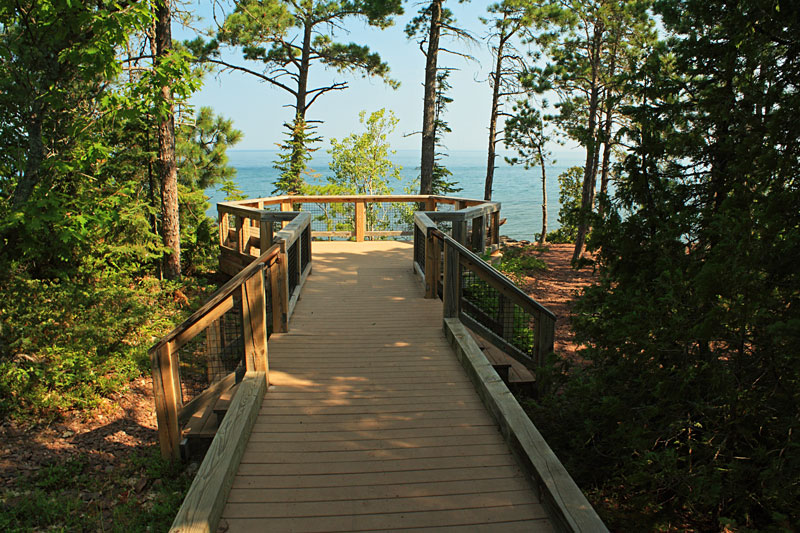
606, 155
589, 171
543, 238
167, 167
429, 101
487, 190
34, 157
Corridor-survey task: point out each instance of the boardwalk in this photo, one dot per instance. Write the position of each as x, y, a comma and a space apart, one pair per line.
370, 422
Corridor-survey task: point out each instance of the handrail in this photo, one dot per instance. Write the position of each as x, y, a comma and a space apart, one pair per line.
219, 296
502, 312
288, 260
495, 277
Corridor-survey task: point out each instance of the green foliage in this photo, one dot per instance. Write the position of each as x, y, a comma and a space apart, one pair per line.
361, 165
202, 163
295, 152
66, 344
441, 183
55, 497
569, 199
360, 162
520, 261
686, 415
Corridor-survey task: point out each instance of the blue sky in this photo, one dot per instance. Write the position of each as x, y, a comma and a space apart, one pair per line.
259, 110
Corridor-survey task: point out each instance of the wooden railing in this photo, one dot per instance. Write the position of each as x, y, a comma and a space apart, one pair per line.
262, 293
478, 295
356, 217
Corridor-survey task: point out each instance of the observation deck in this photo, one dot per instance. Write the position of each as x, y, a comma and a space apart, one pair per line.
339, 383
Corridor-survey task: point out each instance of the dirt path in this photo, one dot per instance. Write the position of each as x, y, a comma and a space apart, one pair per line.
556, 288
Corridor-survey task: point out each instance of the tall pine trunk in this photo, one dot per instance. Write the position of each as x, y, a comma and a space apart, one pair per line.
487, 190
589, 170
299, 140
167, 167
429, 101
543, 237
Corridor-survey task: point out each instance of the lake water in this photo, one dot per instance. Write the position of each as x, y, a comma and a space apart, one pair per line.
518, 190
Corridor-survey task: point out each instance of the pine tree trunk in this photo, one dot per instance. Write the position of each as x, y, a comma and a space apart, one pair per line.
606, 156
429, 101
589, 170
543, 238
167, 167
487, 191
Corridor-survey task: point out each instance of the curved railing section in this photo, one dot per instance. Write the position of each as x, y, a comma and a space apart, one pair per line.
474, 292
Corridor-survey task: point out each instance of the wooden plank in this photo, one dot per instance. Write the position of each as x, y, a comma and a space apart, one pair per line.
378, 492
354, 438
383, 521
362, 467
411, 504
202, 507
166, 396
265, 233
378, 478
202, 323
451, 296
356, 423
278, 289
254, 322
239, 210
558, 490
349, 456
203, 401
360, 221
374, 444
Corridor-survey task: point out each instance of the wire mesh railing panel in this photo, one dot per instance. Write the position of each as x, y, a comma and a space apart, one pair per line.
446, 227
305, 255
489, 307
330, 216
293, 260
390, 216
419, 248
212, 354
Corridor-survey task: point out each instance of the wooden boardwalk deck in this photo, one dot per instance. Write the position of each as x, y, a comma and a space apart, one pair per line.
370, 422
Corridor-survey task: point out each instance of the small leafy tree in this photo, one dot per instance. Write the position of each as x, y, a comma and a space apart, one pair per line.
361, 163
524, 132
569, 199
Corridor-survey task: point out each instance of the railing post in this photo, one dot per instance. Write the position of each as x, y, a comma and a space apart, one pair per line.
451, 296
265, 233
167, 395
360, 221
478, 235
222, 220
279, 281
432, 254
240, 238
495, 241
430, 204
545, 330
460, 231
254, 319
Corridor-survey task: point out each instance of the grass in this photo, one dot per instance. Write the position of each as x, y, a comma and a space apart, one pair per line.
141, 495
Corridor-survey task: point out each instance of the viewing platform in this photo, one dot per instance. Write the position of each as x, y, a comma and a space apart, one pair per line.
339, 393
